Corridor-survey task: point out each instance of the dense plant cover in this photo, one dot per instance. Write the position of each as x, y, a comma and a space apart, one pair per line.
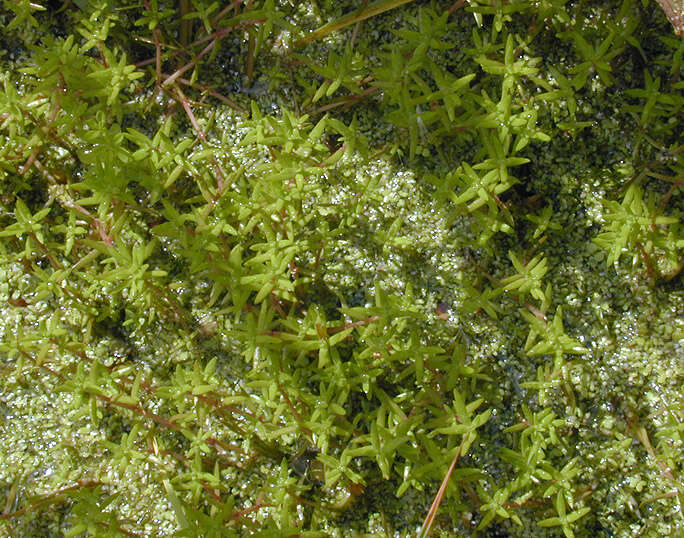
275, 268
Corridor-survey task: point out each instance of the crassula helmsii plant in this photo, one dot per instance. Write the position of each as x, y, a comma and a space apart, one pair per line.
279, 268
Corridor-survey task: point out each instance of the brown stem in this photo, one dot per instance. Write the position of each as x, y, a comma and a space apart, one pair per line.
53, 497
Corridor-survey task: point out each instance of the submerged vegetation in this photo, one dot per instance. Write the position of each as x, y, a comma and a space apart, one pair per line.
279, 268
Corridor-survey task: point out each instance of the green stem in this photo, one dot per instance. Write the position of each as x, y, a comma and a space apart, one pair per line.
352, 18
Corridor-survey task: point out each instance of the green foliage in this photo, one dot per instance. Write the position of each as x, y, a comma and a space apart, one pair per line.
418, 94
550, 339
529, 277
238, 311
638, 226
341, 71
563, 519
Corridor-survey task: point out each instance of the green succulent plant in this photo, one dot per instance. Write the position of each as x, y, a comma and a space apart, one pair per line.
279, 268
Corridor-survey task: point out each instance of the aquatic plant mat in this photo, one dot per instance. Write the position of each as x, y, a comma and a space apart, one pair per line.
341, 268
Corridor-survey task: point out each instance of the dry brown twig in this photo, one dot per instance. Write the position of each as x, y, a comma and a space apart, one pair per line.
674, 9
